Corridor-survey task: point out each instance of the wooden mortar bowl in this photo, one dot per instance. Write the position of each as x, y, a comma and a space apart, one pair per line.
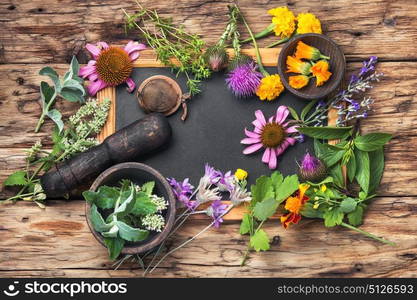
138, 173
327, 47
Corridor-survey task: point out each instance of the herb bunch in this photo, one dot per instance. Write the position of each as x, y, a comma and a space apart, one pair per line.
170, 41
75, 138
126, 213
70, 87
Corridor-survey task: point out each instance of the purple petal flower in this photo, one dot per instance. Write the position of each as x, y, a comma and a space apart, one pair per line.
227, 182
183, 191
216, 211
244, 79
211, 175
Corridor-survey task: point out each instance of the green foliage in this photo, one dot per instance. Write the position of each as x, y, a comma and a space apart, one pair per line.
260, 241
333, 217
16, 178
372, 141
69, 88
363, 170
125, 221
246, 225
377, 163
326, 133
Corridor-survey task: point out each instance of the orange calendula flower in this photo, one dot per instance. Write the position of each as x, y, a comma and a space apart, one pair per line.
298, 81
270, 87
308, 52
293, 205
321, 71
308, 23
284, 21
295, 65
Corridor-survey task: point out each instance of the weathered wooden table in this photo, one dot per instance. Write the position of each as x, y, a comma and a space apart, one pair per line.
56, 241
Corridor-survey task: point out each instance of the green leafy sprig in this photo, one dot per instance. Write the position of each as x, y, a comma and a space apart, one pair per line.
129, 205
70, 87
267, 194
170, 41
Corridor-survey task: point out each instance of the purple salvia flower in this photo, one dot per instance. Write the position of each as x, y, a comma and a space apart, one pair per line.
183, 191
227, 182
244, 79
216, 211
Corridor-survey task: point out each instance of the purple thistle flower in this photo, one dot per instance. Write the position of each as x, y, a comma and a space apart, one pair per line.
312, 169
244, 79
216, 211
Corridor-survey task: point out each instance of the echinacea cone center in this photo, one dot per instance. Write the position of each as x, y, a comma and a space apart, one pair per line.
272, 135
114, 66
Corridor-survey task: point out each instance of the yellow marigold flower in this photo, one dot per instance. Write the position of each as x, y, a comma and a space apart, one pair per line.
321, 71
298, 81
295, 65
241, 174
284, 21
308, 52
270, 87
308, 23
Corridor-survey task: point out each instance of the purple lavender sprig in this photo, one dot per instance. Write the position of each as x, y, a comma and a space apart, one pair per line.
349, 108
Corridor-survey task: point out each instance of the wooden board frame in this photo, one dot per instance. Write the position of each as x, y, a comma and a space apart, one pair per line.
148, 59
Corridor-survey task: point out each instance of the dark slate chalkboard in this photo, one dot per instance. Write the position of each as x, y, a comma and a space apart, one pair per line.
212, 131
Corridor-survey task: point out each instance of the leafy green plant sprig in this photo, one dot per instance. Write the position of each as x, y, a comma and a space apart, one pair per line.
78, 136
170, 41
120, 214
70, 87
267, 194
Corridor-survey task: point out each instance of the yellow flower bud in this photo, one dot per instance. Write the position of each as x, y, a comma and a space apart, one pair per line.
241, 174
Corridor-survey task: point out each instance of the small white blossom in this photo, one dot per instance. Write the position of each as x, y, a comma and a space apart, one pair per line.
160, 202
153, 222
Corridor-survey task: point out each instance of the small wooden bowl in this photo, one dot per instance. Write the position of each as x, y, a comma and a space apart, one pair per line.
327, 47
139, 174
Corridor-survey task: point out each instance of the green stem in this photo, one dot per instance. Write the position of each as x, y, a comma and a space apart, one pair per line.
245, 256
18, 196
281, 41
255, 44
44, 112
267, 31
368, 234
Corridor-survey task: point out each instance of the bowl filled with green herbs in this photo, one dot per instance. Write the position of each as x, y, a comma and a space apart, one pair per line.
130, 209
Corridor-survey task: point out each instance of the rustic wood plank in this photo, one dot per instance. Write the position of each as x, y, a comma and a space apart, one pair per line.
56, 242
43, 31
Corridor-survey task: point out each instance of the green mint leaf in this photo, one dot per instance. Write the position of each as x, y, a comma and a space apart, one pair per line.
351, 168
260, 241
307, 109
97, 220
319, 148
293, 113
372, 141
333, 217
143, 205
263, 189
114, 246
16, 178
326, 133
104, 198
90, 196
377, 164
348, 205
265, 209
355, 217
332, 155
148, 187
287, 188
362, 170
337, 174
131, 234
309, 212
56, 116
246, 225
51, 73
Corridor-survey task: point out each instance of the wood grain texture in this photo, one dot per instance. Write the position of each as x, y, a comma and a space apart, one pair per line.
57, 242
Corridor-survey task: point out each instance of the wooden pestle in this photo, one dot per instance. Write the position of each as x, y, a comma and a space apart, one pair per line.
137, 139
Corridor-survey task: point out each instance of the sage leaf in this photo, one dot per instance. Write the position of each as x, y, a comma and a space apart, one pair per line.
47, 94
293, 113
348, 205
56, 116
114, 246
265, 209
112, 233
260, 241
131, 234
362, 169
246, 224
16, 178
326, 133
333, 217
355, 217
97, 220
307, 109
51, 73
72, 95
372, 141
377, 163
127, 199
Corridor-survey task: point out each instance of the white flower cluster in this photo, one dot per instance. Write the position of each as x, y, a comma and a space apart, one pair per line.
153, 222
160, 202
